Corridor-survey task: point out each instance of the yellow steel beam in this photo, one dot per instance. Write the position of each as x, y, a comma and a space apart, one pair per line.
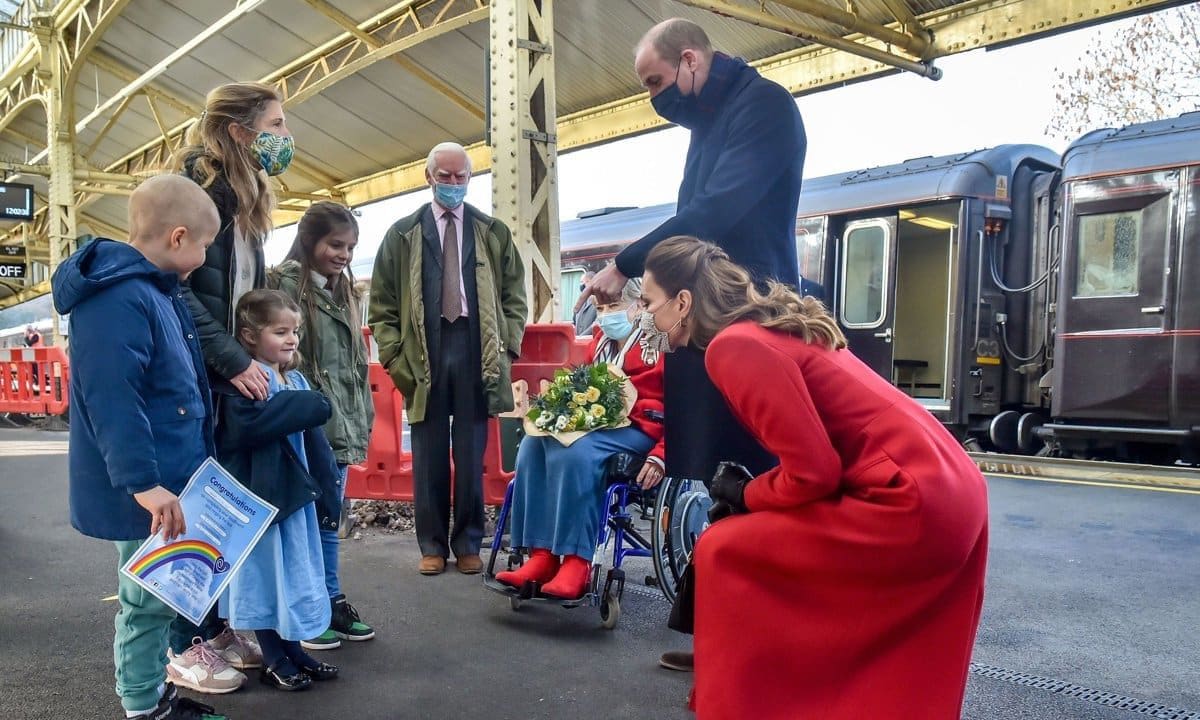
810, 34
348, 24
23, 91
310, 80
916, 45
30, 293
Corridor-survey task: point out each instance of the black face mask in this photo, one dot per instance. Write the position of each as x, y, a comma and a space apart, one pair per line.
675, 107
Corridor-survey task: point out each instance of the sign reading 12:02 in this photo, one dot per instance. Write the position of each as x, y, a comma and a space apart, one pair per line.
16, 201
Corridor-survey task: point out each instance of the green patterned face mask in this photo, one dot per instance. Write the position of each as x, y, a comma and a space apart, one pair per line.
273, 152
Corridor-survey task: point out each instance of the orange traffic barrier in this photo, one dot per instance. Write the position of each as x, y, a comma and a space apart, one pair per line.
387, 472
34, 381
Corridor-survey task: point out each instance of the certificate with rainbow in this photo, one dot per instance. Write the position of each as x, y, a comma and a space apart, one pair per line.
224, 523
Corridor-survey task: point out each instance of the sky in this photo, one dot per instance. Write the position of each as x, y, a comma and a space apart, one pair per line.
985, 98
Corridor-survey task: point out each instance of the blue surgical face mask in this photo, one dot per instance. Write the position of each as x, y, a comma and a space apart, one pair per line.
273, 152
615, 325
449, 196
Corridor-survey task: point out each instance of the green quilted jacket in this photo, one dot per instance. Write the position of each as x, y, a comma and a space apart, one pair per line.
397, 312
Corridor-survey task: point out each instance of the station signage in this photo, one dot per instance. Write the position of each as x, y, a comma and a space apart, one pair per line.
12, 262
16, 201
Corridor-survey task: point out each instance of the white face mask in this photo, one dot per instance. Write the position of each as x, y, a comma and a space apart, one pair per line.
653, 338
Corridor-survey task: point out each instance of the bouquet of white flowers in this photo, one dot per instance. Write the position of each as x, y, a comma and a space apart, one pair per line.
579, 400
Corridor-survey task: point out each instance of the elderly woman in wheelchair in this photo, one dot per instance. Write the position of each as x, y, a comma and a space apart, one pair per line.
558, 493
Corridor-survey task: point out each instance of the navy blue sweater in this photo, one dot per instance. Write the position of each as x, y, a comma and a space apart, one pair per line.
741, 181
140, 408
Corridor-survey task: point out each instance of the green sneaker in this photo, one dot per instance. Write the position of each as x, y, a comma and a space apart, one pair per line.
327, 640
346, 623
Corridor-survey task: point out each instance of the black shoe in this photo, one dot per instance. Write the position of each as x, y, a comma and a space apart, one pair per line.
319, 670
188, 709
276, 677
172, 707
345, 622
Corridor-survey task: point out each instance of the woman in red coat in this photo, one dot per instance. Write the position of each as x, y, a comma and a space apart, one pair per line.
848, 582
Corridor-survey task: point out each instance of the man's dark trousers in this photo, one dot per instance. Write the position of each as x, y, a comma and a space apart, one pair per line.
457, 391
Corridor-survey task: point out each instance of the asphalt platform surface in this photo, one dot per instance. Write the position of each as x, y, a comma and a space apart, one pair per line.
1092, 606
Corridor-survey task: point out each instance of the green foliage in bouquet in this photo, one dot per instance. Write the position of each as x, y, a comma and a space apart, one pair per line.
587, 397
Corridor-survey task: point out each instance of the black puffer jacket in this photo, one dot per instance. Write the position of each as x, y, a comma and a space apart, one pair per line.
209, 288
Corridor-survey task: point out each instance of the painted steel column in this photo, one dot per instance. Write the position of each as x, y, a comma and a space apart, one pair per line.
524, 144
60, 138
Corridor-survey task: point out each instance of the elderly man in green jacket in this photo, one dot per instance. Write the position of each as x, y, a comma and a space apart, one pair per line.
448, 311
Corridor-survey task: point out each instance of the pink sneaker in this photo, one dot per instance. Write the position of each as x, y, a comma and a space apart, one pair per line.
201, 669
236, 649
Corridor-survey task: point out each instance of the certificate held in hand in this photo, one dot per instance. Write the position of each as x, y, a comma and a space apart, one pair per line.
224, 523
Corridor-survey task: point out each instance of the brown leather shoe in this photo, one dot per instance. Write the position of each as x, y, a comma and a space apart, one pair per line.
469, 564
432, 565
680, 660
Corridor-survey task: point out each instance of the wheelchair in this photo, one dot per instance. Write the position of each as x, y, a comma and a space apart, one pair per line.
624, 503
677, 510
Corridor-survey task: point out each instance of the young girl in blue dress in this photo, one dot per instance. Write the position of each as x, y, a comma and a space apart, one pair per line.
278, 450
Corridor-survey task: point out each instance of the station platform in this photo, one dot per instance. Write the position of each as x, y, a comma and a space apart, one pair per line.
1091, 609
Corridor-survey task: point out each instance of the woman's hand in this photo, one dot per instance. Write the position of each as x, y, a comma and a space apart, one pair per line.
252, 382
650, 475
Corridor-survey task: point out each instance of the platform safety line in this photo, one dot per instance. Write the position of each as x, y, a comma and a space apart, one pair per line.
1084, 472
19, 448
1097, 483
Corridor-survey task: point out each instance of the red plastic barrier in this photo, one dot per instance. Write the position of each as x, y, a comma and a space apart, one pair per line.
387, 472
34, 381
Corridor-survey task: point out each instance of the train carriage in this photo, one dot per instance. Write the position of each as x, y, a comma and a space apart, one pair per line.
1127, 347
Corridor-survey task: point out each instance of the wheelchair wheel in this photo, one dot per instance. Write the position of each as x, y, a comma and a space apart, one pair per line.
680, 515
610, 611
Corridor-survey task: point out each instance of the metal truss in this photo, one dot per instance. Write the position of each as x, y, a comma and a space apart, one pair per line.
524, 152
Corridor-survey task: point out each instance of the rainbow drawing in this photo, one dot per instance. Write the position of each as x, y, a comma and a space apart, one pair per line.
182, 550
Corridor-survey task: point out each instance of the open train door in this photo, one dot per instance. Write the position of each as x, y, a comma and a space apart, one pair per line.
866, 290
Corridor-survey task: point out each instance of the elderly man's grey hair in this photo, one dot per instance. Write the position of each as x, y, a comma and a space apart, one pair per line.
431, 160
632, 292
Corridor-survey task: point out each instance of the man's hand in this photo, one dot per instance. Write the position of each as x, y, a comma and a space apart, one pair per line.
605, 286
650, 475
164, 510
252, 382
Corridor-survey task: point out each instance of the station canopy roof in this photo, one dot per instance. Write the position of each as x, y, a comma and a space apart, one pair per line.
371, 85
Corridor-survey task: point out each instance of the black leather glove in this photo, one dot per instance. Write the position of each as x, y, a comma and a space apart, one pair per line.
728, 491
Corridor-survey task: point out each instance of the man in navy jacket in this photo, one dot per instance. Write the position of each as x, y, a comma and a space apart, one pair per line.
740, 189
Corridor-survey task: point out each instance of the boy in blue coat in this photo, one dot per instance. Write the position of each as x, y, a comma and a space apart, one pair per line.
140, 410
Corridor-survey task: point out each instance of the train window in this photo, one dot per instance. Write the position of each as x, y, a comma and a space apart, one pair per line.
568, 290
1108, 254
810, 247
864, 275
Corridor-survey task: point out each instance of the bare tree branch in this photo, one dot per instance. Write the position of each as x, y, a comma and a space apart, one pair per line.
1147, 71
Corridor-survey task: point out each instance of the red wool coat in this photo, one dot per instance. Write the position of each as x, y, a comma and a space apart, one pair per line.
852, 589
648, 381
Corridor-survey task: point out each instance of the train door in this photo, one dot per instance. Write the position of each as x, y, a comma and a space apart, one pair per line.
1115, 315
866, 273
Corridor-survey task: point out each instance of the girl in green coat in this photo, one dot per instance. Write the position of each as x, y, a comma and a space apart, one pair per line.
316, 273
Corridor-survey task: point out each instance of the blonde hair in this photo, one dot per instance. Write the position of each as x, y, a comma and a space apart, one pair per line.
723, 293
213, 152
257, 309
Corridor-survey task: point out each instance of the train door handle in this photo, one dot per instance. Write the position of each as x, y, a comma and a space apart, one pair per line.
1154, 310
886, 335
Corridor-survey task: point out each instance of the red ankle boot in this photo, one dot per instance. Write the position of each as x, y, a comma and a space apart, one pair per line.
571, 581
540, 567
